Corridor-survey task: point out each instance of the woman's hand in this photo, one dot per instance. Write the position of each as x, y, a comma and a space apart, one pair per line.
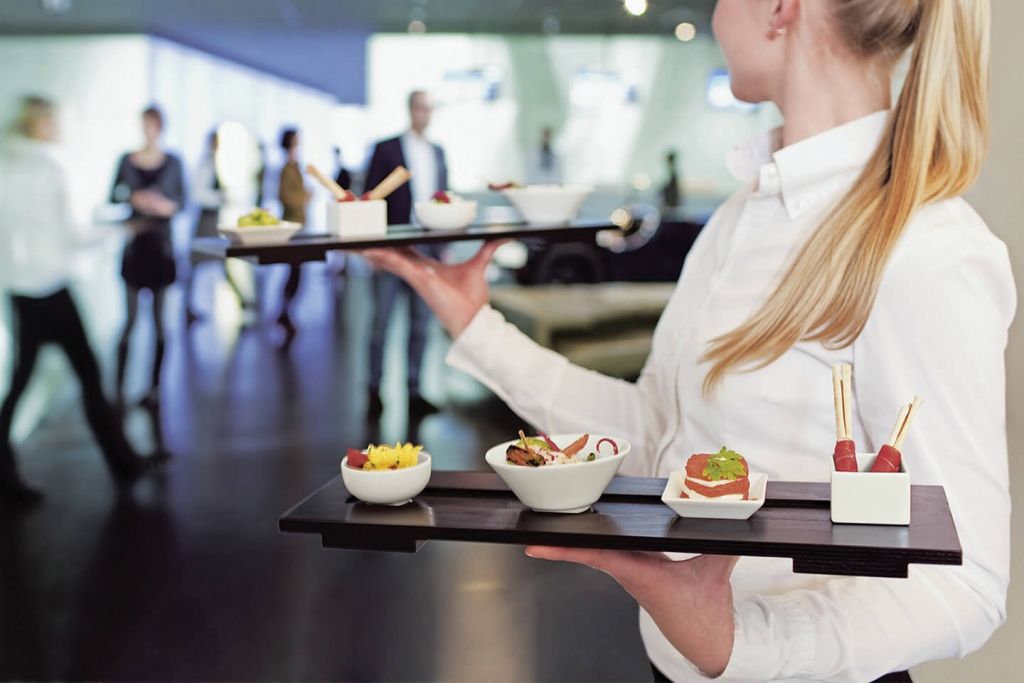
690, 601
454, 292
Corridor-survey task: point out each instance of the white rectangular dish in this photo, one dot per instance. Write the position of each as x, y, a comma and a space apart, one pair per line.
710, 508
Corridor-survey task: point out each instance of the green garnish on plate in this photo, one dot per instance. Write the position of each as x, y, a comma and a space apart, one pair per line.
725, 464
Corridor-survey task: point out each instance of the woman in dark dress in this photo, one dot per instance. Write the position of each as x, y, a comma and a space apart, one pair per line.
151, 181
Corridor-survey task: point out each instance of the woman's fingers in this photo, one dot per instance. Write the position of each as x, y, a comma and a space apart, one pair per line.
486, 252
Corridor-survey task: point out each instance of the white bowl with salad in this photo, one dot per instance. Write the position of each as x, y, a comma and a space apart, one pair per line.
446, 211
564, 473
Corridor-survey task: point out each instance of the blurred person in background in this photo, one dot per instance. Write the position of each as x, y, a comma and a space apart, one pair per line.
429, 175
39, 241
209, 195
342, 177
151, 181
545, 167
292, 192
671, 194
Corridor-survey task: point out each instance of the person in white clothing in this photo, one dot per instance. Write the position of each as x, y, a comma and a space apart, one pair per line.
208, 193
849, 244
38, 245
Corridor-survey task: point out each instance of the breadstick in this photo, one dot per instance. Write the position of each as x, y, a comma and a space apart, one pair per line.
902, 436
837, 396
333, 187
898, 427
400, 176
848, 401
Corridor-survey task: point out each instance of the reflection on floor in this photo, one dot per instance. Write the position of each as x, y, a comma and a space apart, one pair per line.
185, 578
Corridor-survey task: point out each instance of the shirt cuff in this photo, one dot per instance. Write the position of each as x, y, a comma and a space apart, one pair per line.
768, 640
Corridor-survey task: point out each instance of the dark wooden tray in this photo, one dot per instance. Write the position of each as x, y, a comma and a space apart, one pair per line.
794, 522
303, 248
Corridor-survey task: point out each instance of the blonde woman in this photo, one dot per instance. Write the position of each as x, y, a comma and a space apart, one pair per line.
38, 246
849, 244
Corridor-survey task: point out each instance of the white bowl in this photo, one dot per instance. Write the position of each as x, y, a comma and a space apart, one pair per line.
560, 488
548, 203
387, 487
714, 509
258, 235
453, 216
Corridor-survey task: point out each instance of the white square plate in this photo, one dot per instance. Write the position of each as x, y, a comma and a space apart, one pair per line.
714, 509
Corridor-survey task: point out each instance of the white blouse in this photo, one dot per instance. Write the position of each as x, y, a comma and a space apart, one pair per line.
39, 237
938, 330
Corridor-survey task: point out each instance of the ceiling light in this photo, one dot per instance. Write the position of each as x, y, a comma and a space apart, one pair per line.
686, 31
417, 26
56, 6
635, 7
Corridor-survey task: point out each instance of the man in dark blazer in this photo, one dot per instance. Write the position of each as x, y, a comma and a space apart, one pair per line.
429, 175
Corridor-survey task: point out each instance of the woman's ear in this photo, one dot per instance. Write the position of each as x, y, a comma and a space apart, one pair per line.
783, 17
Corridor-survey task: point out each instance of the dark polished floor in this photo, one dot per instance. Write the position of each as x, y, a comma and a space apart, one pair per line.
186, 578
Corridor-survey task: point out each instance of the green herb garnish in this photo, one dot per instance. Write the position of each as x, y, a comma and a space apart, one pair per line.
592, 457
725, 464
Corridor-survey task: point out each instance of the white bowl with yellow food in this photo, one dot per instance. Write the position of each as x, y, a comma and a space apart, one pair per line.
390, 475
259, 228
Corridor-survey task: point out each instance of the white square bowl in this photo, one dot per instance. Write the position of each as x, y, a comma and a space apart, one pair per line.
260, 235
714, 509
357, 219
866, 497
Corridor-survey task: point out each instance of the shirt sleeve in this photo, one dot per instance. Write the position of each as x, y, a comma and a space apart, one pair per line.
938, 330
121, 190
551, 393
204, 190
176, 183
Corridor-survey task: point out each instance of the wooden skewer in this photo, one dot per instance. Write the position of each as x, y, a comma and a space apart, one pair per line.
902, 436
333, 187
904, 411
848, 401
400, 176
837, 397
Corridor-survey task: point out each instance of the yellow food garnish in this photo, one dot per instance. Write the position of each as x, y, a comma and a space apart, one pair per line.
392, 457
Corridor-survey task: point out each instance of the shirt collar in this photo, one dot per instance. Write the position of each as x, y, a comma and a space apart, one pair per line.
806, 171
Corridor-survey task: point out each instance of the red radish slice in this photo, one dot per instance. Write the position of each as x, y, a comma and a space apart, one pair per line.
615, 446
551, 444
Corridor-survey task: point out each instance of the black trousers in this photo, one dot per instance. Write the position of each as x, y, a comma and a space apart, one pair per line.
54, 319
896, 677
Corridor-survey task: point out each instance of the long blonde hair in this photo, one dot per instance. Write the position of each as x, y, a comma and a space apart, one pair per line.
932, 149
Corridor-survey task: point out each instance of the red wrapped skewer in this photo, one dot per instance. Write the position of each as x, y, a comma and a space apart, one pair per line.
845, 454
889, 456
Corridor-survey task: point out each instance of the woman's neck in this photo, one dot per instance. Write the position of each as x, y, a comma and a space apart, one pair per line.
819, 94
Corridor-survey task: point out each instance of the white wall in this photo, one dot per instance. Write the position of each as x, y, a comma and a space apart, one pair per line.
606, 144
999, 199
